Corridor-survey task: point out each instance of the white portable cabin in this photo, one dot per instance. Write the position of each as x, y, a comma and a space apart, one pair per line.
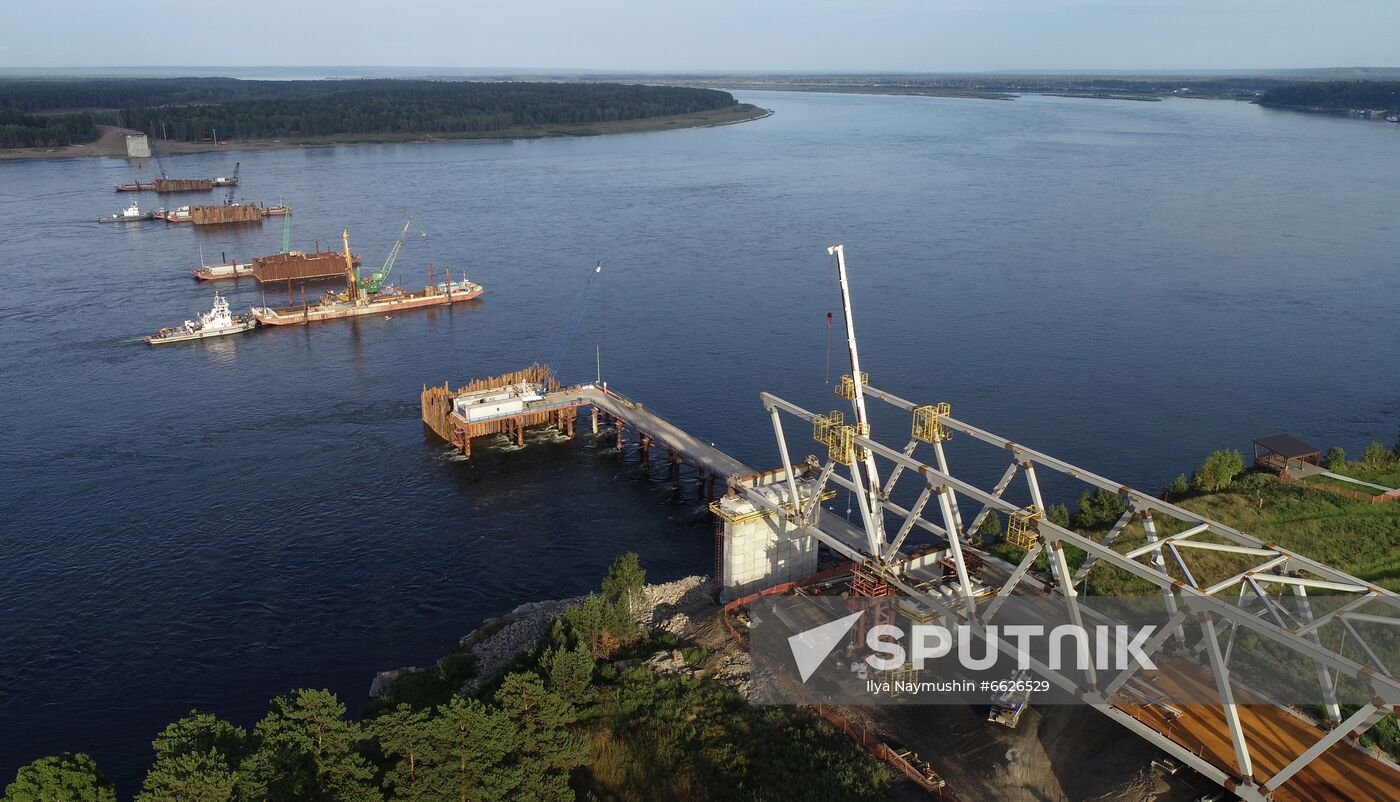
496, 402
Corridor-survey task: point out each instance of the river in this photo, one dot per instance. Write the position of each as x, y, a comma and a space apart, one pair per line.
1126, 285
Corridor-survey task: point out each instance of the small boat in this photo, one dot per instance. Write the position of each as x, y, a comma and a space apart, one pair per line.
223, 271
131, 214
217, 322
180, 215
1394, 118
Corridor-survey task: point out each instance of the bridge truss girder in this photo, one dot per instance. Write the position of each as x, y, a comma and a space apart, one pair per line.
1270, 565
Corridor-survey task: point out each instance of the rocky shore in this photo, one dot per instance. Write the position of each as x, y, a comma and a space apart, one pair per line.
669, 606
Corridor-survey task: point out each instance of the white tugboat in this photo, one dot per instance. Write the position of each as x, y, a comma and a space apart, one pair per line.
217, 322
131, 214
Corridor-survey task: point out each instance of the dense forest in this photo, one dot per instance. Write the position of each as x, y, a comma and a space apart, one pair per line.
18, 130
577, 718
194, 109
1336, 95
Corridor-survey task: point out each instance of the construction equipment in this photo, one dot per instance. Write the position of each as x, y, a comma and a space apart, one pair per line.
286, 229
375, 282
1021, 527
233, 183
352, 285
566, 338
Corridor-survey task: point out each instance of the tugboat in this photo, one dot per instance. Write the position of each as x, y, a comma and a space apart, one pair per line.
217, 322
131, 214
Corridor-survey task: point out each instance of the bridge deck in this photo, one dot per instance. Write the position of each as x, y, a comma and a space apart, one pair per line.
1275, 738
688, 446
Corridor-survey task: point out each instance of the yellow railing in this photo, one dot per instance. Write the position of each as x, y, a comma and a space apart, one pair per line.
928, 422
1022, 527
846, 388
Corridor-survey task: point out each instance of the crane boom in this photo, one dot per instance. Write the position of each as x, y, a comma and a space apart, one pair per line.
233, 187
566, 337
376, 280
351, 289
286, 230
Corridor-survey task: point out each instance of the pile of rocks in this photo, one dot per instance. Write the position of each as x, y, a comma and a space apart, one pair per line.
498, 641
517, 632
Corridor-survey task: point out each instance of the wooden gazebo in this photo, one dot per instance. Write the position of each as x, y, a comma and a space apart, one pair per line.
1279, 452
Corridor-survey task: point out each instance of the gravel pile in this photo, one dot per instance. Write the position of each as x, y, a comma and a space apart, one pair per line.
514, 633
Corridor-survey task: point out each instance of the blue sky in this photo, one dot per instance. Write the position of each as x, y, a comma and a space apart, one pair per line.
715, 35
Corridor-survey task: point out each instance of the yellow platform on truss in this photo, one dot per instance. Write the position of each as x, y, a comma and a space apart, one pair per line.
824, 425
1022, 527
928, 422
846, 388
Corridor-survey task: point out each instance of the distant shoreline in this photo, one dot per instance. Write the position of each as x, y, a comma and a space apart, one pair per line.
112, 142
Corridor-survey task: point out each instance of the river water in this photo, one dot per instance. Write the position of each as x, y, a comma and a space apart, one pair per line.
1127, 285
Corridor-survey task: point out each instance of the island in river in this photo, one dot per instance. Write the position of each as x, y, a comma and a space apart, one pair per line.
91, 116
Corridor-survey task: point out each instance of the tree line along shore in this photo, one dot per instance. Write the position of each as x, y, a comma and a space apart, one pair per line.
58, 113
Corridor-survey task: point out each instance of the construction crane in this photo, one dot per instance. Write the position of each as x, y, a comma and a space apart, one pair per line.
286, 227
352, 290
233, 187
566, 337
375, 282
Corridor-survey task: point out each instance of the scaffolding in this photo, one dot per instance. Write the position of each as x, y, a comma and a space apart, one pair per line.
822, 426
868, 581
1022, 527
928, 422
846, 387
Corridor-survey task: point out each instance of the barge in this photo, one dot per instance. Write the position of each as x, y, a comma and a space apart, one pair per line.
178, 184
355, 301
340, 305
220, 272
225, 213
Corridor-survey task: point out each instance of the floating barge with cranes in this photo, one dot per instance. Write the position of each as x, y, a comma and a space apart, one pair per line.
167, 185
368, 296
222, 214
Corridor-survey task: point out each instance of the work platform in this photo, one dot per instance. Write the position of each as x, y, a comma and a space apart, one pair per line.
753, 548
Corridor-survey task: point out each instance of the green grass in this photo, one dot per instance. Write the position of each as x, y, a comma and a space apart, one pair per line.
1353, 536
1340, 484
1386, 473
425, 689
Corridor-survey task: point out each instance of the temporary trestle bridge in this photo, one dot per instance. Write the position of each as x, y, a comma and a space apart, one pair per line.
772, 523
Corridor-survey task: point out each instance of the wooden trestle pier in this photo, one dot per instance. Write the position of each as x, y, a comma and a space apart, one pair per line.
559, 408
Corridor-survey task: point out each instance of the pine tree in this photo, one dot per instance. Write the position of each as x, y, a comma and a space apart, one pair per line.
548, 751
571, 674
403, 734
197, 760
468, 757
68, 777
306, 750
625, 581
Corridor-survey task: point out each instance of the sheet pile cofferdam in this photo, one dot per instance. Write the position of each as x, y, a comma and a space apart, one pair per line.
440, 402
298, 265
184, 184
232, 213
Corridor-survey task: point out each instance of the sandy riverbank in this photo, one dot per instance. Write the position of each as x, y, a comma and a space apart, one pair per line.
112, 141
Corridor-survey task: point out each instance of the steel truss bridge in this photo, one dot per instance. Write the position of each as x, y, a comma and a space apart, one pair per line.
1257, 751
